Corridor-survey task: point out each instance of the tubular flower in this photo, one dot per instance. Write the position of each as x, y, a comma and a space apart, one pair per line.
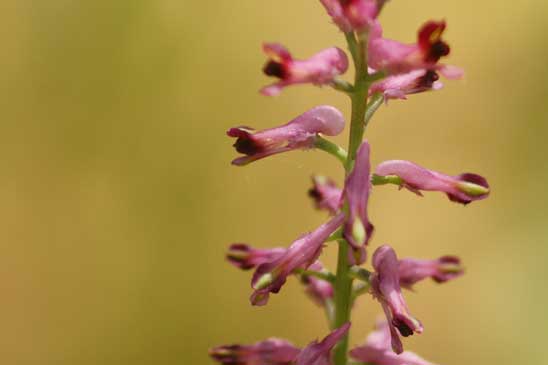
357, 228
351, 15
318, 353
326, 194
273, 351
270, 276
245, 257
300, 133
376, 350
320, 291
441, 270
394, 57
400, 85
320, 69
463, 188
385, 285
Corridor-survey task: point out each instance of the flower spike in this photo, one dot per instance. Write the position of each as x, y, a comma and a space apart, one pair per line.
441, 270
385, 285
318, 353
300, 133
269, 277
377, 350
320, 69
357, 228
463, 188
273, 351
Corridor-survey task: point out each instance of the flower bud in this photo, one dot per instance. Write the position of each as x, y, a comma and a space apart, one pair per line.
358, 229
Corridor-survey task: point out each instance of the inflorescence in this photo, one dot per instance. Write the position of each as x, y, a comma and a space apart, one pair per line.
384, 69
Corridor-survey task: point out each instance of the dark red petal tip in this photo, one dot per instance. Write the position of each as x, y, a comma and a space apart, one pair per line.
276, 69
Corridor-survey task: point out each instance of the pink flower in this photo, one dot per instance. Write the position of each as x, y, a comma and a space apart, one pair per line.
463, 188
394, 57
385, 285
377, 350
400, 85
320, 291
270, 276
276, 351
326, 194
318, 353
357, 227
300, 133
441, 270
319, 69
245, 257
273, 351
351, 15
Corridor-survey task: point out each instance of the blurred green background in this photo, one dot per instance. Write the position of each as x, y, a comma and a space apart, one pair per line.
118, 198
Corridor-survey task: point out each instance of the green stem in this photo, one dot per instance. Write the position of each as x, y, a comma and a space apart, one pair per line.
343, 294
343, 86
359, 289
331, 148
359, 104
335, 236
343, 283
352, 46
327, 276
359, 273
372, 106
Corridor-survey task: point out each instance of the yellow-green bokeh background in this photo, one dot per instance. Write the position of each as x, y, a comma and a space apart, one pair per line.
118, 199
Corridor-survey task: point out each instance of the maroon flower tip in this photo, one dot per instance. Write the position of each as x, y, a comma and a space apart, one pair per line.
276, 69
427, 81
403, 326
474, 179
449, 259
475, 187
238, 254
245, 143
429, 40
314, 193
449, 268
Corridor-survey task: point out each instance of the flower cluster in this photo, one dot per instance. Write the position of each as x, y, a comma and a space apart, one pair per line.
385, 69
